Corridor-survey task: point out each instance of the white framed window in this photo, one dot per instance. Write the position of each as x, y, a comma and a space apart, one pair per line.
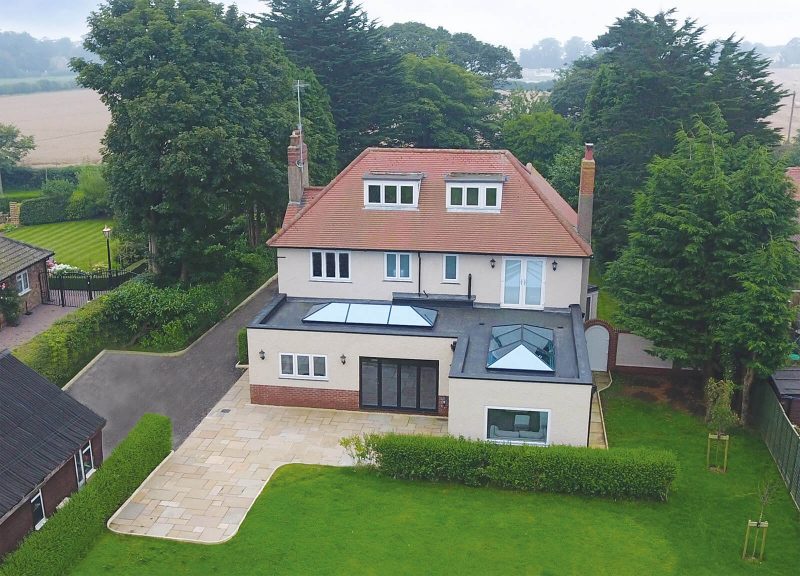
450, 268
389, 194
467, 196
37, 509
397, 266
84, 464
518, 425
303, 366
23, 283
330, 265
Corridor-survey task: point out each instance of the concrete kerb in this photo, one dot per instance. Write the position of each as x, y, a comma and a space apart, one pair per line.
156, 469
94, 360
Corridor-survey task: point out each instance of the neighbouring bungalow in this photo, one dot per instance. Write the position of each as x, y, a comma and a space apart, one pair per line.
50, 444
25, 267
442, 282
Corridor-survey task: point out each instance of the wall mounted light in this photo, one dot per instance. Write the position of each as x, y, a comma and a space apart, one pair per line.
343, 358
492, 262
555, 265
261, 354
453, 345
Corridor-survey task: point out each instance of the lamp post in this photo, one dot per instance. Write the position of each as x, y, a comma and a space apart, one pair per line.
107, 234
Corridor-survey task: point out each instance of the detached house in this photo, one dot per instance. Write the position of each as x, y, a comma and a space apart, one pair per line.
444, 282
50, 444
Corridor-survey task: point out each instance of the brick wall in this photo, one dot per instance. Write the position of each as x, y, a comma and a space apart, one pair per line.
60, 485
32, 298
315, 398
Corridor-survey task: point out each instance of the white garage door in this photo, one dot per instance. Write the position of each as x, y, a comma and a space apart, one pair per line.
597, 338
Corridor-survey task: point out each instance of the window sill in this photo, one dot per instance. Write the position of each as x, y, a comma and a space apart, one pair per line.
517, 442
90, 473
41, 523
402, 207
317, 378
398, 279
473, 209
24, 292
339, 280
450, 282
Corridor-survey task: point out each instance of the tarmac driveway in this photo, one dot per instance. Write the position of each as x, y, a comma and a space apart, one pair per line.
121, 386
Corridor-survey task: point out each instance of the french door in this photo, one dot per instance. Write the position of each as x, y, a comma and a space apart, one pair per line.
392, 384
523, 282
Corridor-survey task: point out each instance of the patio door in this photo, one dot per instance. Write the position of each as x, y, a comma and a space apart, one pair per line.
523, 282
392, 384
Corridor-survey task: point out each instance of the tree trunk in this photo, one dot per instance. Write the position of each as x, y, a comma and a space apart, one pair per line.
184, 271
1, 183
152, 245
747, 383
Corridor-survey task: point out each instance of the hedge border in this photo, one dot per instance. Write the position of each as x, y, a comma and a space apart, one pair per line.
71, 532
617, 473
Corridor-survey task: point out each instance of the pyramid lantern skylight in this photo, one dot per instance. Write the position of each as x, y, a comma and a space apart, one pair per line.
375, 314
521, 347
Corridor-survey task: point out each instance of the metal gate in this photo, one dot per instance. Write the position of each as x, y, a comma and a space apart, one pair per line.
76, 289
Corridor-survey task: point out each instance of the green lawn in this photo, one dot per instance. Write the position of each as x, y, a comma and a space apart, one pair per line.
80, 243
317, 520
17, 196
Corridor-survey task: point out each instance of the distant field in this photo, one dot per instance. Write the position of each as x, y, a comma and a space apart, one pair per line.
58, 78
79, 243
790, 78
66, 125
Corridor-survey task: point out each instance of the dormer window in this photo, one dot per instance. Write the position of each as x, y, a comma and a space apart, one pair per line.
392, 190
470, 192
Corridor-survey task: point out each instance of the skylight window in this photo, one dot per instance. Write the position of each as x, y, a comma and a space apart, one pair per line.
521, 347
390, 190
372, 314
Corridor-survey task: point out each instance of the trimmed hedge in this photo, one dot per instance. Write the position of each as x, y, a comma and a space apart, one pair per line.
72, 531
142, 316
614, 473
43, 210
241, 344
71, 342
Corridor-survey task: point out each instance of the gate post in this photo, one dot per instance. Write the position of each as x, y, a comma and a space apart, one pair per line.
61, 290
89, 286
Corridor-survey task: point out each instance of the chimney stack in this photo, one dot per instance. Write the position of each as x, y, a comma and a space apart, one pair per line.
297, 166
586, 194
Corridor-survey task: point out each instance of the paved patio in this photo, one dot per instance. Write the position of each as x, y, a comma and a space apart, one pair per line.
39, 320
203, 491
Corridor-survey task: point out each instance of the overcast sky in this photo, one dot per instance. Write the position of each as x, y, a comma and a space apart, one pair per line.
513, 23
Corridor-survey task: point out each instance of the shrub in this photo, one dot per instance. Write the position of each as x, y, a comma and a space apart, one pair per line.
72, 531
241, 343
614, 473
26, 178
71, 342
43, 210
56, 188
9, 304
90, 198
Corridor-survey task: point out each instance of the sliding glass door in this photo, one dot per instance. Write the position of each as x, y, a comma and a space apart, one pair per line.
393, 384
523, 282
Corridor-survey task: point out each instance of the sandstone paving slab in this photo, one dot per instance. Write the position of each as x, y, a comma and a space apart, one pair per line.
203, 491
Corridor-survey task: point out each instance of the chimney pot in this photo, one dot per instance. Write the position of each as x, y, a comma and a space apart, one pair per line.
588, 153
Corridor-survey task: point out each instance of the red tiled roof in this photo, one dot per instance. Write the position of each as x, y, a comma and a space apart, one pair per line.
794, 174
534, 219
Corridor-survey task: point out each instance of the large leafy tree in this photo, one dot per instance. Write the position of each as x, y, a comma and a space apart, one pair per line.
13, 147
537, 138
201, 109
348, 54
492, 62
444, 106
709, 265
649, 77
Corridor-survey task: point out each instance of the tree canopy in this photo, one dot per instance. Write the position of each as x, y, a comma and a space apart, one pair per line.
537, 138
348, 54
708, 269
13, 147
444, 106
492, 62
201, 109
649, 77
